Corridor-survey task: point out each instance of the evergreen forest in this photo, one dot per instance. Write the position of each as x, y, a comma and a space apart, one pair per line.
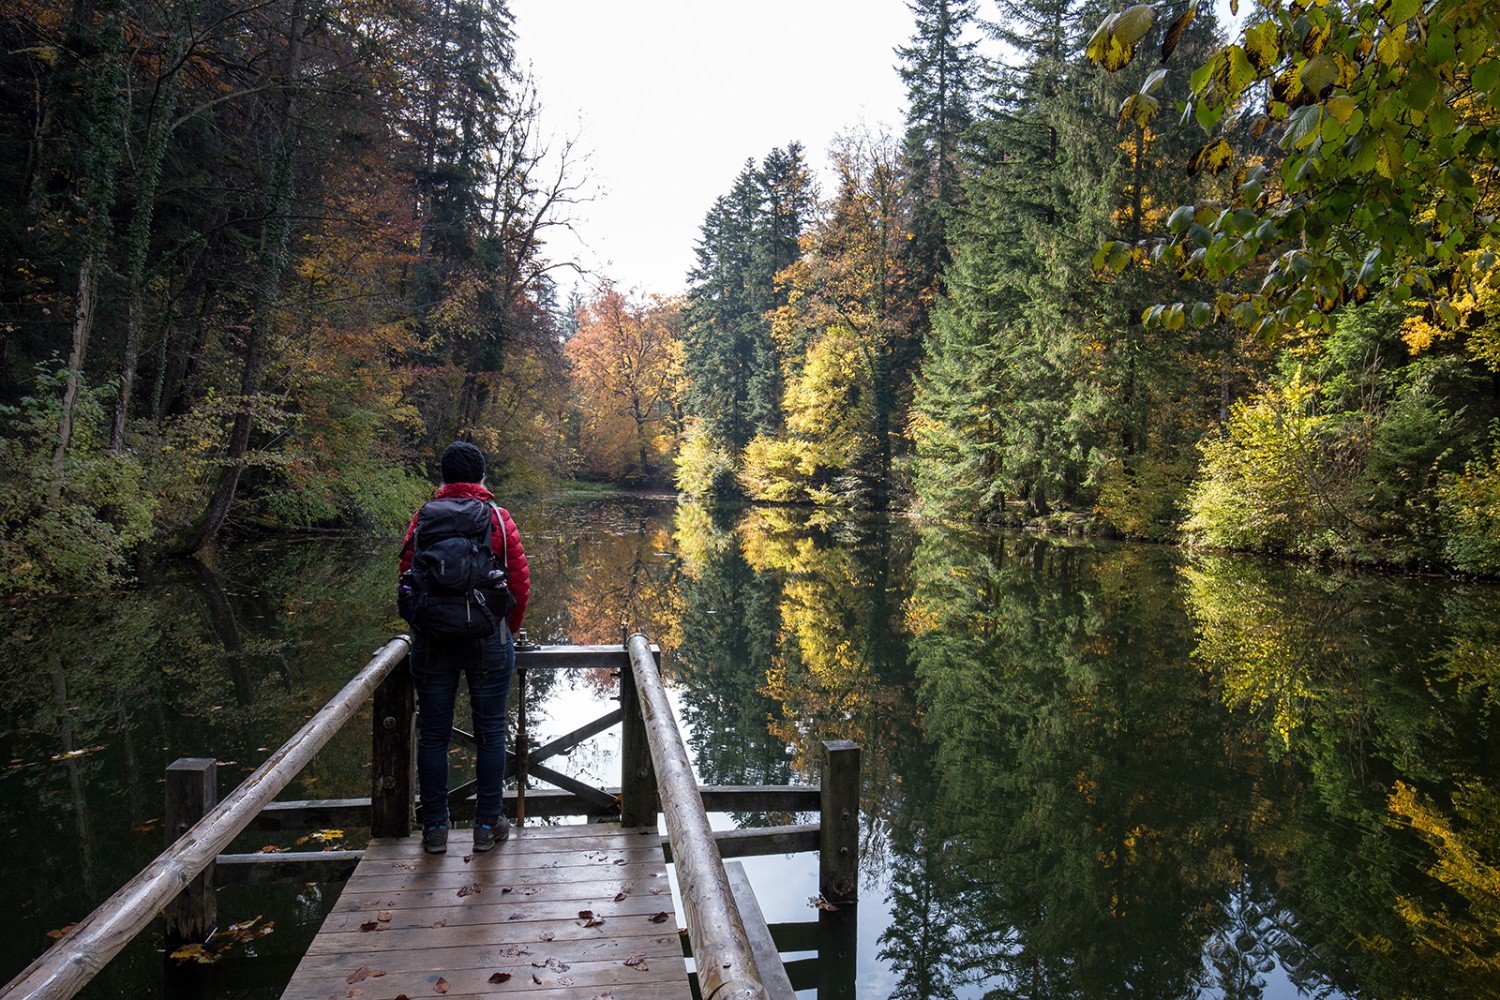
1125, 269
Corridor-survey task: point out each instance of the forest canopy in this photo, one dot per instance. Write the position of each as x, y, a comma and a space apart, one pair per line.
1119, 270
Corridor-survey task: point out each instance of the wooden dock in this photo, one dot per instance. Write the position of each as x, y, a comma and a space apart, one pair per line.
578, 911
555, 911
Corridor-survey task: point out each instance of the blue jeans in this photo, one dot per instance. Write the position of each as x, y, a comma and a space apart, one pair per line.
435, 667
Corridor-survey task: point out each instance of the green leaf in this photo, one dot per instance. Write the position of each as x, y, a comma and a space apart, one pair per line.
1396, 12
1341, 107
1203, 312
1318, 74
1485, 75
1389, 159
1179, 220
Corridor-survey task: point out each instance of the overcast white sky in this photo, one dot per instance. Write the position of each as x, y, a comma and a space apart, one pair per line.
672, 96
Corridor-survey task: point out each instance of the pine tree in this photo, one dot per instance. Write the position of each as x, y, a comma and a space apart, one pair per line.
941, 71
1034, 382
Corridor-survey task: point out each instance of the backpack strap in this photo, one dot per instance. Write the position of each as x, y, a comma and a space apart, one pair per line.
504, 540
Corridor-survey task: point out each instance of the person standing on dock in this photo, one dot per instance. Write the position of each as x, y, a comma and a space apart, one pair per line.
479, 646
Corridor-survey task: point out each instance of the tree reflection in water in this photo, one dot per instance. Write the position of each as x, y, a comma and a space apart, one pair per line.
1091, 770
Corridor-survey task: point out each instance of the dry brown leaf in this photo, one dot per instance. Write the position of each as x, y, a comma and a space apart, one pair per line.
546, 935
358, 974
440, 923
659, 918
384, 916
473, 888
441, 986
500, 977
619, 896
369, 926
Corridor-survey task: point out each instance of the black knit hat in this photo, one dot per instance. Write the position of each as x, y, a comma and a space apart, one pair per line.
462, 463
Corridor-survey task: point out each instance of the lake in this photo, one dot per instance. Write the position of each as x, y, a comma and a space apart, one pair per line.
1090, 769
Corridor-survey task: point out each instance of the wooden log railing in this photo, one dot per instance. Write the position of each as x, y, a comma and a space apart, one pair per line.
78, 955
721, 948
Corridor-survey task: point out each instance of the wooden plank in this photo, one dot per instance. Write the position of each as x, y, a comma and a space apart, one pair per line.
541, 803
550, 908
773, 977
569, 657
313, 814
289, 866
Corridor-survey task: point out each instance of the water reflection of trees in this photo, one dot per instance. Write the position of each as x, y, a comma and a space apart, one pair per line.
1391, 857
1115, 815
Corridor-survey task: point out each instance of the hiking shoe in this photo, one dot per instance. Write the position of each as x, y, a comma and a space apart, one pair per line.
435, 838
490, 831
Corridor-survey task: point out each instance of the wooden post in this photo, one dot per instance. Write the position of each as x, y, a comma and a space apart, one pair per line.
638, 798
192, 790
393, 783
838, 854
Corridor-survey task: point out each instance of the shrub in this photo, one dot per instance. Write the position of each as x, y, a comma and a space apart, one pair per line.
775, 470
82, 540
705, 466
1470, 507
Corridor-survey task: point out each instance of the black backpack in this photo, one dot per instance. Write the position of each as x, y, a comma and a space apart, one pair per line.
454, 592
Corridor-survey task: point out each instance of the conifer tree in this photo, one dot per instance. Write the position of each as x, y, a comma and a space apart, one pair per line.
941, 70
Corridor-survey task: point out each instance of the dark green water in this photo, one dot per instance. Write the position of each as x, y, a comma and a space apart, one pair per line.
1090, 770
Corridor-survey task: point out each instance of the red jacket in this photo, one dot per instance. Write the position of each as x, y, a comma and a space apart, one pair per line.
515, 556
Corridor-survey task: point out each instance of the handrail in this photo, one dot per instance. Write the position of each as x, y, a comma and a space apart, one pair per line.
721, 948
80, 954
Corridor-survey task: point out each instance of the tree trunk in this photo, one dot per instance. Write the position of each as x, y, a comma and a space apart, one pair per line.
272, 258
148, 178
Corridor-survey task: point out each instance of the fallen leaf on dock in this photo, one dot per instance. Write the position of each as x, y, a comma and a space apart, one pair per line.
500, 977
54, 935
441, 986
656, 890
440, 923
369, 926
384, 916
473, 888
619, 896
546, 935
638, 962
659, 918
359, 974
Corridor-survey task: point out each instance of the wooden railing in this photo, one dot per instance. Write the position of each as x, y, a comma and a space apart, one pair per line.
79, 954
655, 777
